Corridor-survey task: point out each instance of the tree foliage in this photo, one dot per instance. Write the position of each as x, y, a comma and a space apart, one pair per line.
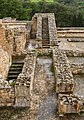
67, 12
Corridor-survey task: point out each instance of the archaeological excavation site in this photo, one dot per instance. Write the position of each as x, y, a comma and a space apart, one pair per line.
41, 70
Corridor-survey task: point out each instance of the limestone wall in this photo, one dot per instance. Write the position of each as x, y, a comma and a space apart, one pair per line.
69, 104
6, 38
13, 40
24, 83
74, 53
63, 75
19, 40
4, 62
52, 30
39, 28
6, 93
33, 28
43, 51
6, 96
6, 50
71, 34
77, 68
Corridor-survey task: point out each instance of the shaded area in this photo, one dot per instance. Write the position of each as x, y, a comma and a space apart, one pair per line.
10, 113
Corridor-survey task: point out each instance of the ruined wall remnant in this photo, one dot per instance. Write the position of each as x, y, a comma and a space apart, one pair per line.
4, 62
70, 33
52, 30
38, 40
39, 32
39, 27
74, 53
33, 28
19, 40
9, 36
64, 83
67, 101
68, 104
24, 83
9, 19
6, 93
6, 39
77, 68
6, 97
6, 50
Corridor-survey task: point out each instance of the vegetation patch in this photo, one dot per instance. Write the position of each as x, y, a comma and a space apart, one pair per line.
67, 12
13, 83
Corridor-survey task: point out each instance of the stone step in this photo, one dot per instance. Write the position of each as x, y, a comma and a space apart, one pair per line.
46, 46
12, 77
14, 69
16, 65
18, 62
14, 72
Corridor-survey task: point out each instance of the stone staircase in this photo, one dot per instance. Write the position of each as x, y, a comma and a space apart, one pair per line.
15, 68
45, 33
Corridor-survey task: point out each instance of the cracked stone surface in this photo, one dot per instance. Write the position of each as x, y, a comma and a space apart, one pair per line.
44, 92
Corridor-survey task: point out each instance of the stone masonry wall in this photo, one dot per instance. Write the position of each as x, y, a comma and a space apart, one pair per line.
67, 101
6, 50
39, 32
4, 63
39, 27
73, 53
6, 39
6, 96
71, 34
77, 68
52, 30
24, 84
19, 40
63, 74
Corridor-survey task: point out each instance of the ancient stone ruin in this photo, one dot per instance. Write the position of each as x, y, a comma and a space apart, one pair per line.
41, 67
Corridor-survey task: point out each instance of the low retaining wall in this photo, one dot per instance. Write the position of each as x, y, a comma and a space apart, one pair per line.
77, 68
71, 34
63, 75
7, 97
24, 82
72, 53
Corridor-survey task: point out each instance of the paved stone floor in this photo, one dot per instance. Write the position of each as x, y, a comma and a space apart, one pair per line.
44, 90
77, 60
79, 83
